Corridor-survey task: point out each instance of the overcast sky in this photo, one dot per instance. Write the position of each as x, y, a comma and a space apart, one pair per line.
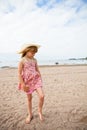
60, 26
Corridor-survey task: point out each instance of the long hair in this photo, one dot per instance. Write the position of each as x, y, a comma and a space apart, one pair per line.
31, 48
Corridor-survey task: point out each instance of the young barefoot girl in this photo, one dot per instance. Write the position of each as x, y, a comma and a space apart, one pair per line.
30, 78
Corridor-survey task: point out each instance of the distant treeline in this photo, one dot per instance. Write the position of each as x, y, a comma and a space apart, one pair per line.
78, 58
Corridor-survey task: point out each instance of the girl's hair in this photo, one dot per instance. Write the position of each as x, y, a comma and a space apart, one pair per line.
31, 48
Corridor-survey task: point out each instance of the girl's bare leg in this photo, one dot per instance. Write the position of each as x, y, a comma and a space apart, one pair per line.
41, 101
29, 97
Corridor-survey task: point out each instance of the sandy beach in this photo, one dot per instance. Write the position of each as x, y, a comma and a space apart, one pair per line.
65, 106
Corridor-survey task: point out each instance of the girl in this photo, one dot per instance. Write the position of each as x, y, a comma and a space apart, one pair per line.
30, 78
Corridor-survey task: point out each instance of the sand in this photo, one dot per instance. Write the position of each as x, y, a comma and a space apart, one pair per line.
65, 106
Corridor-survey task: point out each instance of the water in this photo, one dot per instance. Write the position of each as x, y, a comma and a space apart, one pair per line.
11, 60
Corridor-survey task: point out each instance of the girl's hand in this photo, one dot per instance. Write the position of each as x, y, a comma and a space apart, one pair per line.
25, 88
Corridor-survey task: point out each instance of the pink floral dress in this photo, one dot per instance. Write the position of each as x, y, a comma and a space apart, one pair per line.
30, 76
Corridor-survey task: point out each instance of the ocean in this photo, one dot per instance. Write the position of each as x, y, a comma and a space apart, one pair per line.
12, 60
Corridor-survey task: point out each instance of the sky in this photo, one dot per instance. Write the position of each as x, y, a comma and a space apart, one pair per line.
59, 26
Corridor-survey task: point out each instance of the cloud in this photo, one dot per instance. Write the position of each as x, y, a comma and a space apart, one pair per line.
59, 26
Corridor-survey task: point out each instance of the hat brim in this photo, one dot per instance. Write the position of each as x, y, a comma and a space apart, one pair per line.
26, 46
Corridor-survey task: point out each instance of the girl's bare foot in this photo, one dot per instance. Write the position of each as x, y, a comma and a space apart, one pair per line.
41, 116
28, 119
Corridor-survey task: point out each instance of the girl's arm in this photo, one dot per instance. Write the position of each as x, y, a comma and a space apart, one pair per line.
20, 68
21, 81
37, 69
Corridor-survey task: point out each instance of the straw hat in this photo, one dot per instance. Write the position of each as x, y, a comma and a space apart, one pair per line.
24, 46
